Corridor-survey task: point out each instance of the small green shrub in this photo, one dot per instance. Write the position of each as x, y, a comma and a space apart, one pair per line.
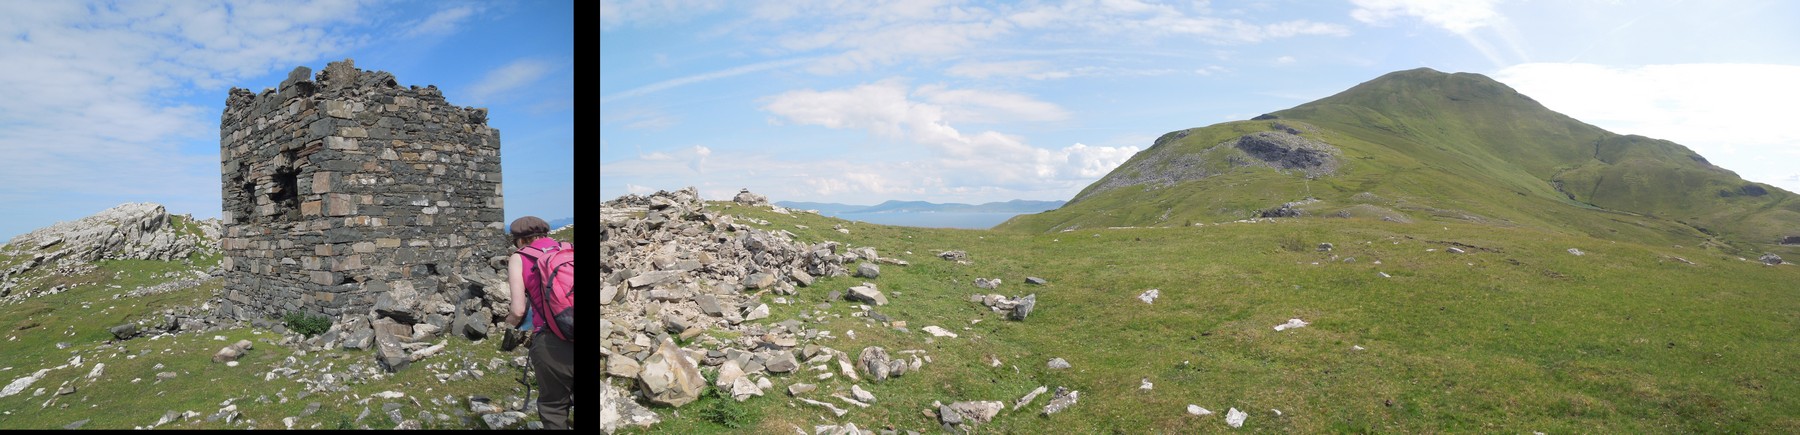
1293, 243
727, 412
308, 324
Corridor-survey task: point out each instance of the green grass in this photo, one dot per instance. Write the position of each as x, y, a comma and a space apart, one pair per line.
82, 315
1515, 336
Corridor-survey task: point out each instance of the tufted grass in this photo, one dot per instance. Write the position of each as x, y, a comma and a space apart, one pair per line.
1515, 336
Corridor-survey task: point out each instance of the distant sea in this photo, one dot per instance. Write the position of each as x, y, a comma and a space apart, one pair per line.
929, 219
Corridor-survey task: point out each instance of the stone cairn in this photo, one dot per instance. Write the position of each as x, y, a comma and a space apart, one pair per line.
673, 269
351, 196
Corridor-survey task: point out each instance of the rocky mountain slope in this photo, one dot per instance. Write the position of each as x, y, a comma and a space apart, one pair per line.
1422, 144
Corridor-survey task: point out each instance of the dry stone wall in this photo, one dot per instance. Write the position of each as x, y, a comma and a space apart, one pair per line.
347, 194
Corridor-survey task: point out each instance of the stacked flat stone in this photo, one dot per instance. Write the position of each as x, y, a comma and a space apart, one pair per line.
348, 194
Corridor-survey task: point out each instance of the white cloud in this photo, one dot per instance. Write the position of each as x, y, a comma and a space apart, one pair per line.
959, 160
442, 22
1736, 115
865, 35
1040, 70
89, 87
1465, 18
1285, 60
615, 14
982, 70
1459, 16
507, 78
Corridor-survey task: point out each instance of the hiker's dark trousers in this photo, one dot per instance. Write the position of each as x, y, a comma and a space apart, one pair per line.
554, 360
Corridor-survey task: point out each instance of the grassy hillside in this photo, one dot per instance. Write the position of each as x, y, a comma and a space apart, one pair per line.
51, 331
1425, 145
1516, 335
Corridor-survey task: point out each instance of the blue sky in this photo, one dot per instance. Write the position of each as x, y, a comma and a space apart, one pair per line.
960, 101
113, 102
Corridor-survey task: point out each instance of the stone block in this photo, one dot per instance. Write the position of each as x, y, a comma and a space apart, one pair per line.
321, 182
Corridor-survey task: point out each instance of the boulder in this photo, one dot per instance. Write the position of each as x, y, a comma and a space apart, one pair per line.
1029, 397
388, 349
759, 280
781, 362
668, 377
1058, 364
1035, 280
1062, 399
875, 362
954, 256
973, 412
866, 293
125, 331
1770, 259
622, 366
709, 305
800, 277
618, 411
1022, 307
1235, 418
861, 395
989, 284
868, 270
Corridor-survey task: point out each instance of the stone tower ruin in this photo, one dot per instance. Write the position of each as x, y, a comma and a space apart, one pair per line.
347, 194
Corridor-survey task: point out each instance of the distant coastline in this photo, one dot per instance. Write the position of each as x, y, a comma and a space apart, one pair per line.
927, 214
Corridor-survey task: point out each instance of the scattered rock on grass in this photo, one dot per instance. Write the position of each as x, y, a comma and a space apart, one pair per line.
1149, 296
1058, 364
1029, 397
866, 293
1062, 399
1291, 324
1576, 251
1235, 418
1197, 410
1035, 280
989, 284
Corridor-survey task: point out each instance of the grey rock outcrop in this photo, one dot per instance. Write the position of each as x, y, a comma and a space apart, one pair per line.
1166, 163
1770, 259
130, 231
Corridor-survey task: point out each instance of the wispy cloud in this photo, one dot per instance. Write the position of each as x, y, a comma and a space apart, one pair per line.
1466, 18
442, 22
512, 76
88, 119
697, 78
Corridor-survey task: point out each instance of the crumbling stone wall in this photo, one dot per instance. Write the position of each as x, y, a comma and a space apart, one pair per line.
347, 194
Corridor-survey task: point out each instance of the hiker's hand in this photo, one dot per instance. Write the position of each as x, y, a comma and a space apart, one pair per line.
514, 319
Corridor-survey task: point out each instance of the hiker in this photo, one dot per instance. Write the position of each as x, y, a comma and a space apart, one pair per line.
552, 357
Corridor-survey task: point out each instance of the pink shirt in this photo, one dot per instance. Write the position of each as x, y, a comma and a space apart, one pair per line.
534, 281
